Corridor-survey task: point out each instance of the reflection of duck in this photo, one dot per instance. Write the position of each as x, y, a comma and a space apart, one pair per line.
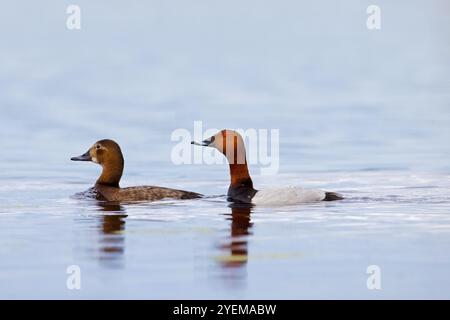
107, 153
112, 222
240, 224
231, 144
112, 240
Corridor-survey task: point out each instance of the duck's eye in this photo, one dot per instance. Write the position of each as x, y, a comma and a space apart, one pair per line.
97, 147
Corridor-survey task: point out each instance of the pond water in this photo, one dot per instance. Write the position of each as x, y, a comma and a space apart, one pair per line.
364, 113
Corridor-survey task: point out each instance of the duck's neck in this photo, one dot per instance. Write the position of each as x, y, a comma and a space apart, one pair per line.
240, 176
237, 160
111, 173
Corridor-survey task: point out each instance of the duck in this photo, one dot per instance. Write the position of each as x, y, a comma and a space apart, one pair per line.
107, 153
231, 145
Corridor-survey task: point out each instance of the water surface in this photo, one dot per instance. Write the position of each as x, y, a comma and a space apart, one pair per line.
364, 113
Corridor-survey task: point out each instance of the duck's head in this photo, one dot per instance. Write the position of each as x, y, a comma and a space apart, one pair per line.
106, 153
229, 143
101, 152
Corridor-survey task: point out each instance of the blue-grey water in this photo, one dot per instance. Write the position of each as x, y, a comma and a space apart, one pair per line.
365, 113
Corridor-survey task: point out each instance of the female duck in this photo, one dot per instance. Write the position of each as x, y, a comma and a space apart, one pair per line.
107, 153
231, 144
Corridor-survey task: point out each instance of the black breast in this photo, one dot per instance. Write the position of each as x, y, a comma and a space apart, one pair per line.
242, 194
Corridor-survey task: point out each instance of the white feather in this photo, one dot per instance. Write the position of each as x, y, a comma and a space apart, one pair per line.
287, 196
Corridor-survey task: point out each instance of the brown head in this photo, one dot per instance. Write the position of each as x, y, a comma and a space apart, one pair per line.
231, 145
106, 153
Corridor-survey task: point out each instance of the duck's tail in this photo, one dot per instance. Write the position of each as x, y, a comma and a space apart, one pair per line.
333, 196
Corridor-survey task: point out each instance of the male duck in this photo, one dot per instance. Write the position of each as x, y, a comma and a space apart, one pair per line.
107, 153
231, 144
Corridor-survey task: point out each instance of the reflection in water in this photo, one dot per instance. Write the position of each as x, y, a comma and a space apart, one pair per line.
236, 246
112, 240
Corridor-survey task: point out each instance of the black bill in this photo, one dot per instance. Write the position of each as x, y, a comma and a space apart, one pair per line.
204, 143
84, 157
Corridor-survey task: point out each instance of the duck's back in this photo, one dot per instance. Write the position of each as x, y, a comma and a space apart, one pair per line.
287, 196
153, 193
143, 193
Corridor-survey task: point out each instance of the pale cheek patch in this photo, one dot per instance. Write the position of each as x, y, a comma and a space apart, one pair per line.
92, 153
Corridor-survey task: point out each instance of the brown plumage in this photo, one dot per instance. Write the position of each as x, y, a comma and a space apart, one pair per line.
107, 153
231, 145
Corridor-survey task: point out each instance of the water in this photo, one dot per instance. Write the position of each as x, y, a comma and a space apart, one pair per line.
364, 113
